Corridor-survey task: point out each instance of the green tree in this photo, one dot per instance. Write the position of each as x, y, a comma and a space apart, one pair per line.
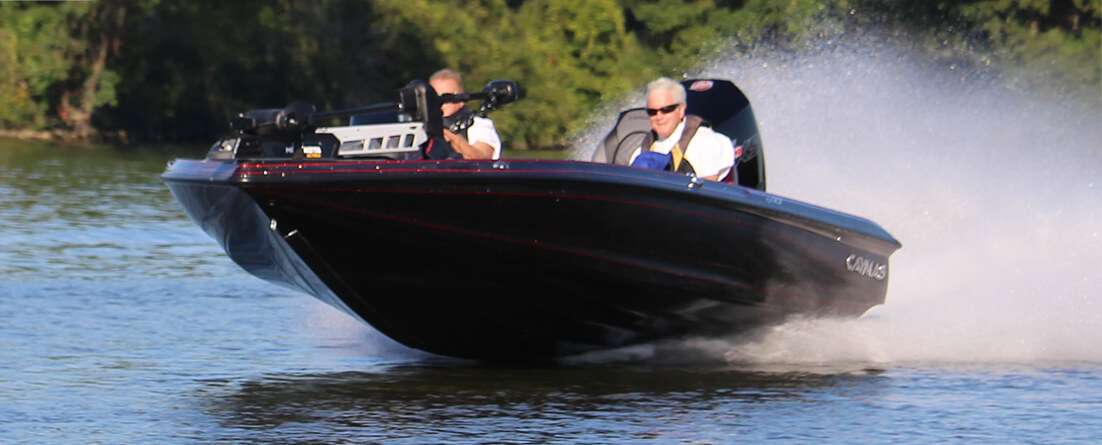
569, 56
200, 62
176, 71
60, 54
1050, 43
576, 55
35, 60
17, 108
684, 33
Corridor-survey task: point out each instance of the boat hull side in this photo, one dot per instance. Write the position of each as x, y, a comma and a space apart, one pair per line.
492, 270
499, 265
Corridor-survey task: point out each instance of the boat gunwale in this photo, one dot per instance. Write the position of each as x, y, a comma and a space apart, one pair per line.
840, 226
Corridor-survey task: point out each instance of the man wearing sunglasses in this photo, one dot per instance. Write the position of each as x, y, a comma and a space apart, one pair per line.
678, 142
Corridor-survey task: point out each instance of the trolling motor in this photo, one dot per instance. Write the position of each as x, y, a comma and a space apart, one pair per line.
294, 131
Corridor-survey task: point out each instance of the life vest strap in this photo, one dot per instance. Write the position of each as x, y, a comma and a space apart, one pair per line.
677, 163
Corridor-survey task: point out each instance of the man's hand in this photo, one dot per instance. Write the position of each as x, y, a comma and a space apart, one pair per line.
479, 150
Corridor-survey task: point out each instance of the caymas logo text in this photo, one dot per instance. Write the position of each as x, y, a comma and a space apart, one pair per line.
863, 266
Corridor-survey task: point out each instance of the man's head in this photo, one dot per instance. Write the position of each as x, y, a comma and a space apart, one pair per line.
665, 105
444, 82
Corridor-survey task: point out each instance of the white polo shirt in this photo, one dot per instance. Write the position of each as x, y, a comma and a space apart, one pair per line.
482, 130
710, 153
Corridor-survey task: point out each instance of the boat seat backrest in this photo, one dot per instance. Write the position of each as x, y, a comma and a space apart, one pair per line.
631, 128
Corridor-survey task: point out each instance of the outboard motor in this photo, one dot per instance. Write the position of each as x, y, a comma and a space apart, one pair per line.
722, 106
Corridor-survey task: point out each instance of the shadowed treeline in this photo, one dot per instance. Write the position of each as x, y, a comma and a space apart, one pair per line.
155, 71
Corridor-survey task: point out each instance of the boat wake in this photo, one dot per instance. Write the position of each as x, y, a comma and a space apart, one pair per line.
995, 193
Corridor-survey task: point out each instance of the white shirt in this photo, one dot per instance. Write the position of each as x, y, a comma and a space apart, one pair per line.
482, 130
710, 153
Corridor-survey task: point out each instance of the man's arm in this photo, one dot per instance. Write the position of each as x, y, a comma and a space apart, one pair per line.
478, 150
718, 154
726, 156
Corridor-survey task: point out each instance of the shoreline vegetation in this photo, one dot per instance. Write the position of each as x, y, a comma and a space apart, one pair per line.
33, 135
152, 72
66, 135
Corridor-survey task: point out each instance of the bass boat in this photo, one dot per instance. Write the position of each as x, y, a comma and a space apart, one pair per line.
522, 260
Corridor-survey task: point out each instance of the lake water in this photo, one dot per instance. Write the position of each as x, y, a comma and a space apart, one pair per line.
121, 322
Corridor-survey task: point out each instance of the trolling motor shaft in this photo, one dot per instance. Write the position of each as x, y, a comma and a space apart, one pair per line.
281, 132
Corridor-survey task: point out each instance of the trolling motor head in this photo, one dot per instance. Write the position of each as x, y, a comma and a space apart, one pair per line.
501, 92
276, 123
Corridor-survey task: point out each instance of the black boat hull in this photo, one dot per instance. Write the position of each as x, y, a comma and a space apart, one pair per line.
534, 259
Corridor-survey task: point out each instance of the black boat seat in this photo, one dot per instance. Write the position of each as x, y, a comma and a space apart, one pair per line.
626, 136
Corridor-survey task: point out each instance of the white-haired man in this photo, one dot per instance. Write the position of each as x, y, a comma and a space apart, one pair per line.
480, 140
678, 142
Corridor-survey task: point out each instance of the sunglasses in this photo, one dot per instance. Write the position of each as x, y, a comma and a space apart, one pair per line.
664, 110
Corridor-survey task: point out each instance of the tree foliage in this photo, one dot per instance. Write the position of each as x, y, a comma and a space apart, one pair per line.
176, 71
1052, 42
